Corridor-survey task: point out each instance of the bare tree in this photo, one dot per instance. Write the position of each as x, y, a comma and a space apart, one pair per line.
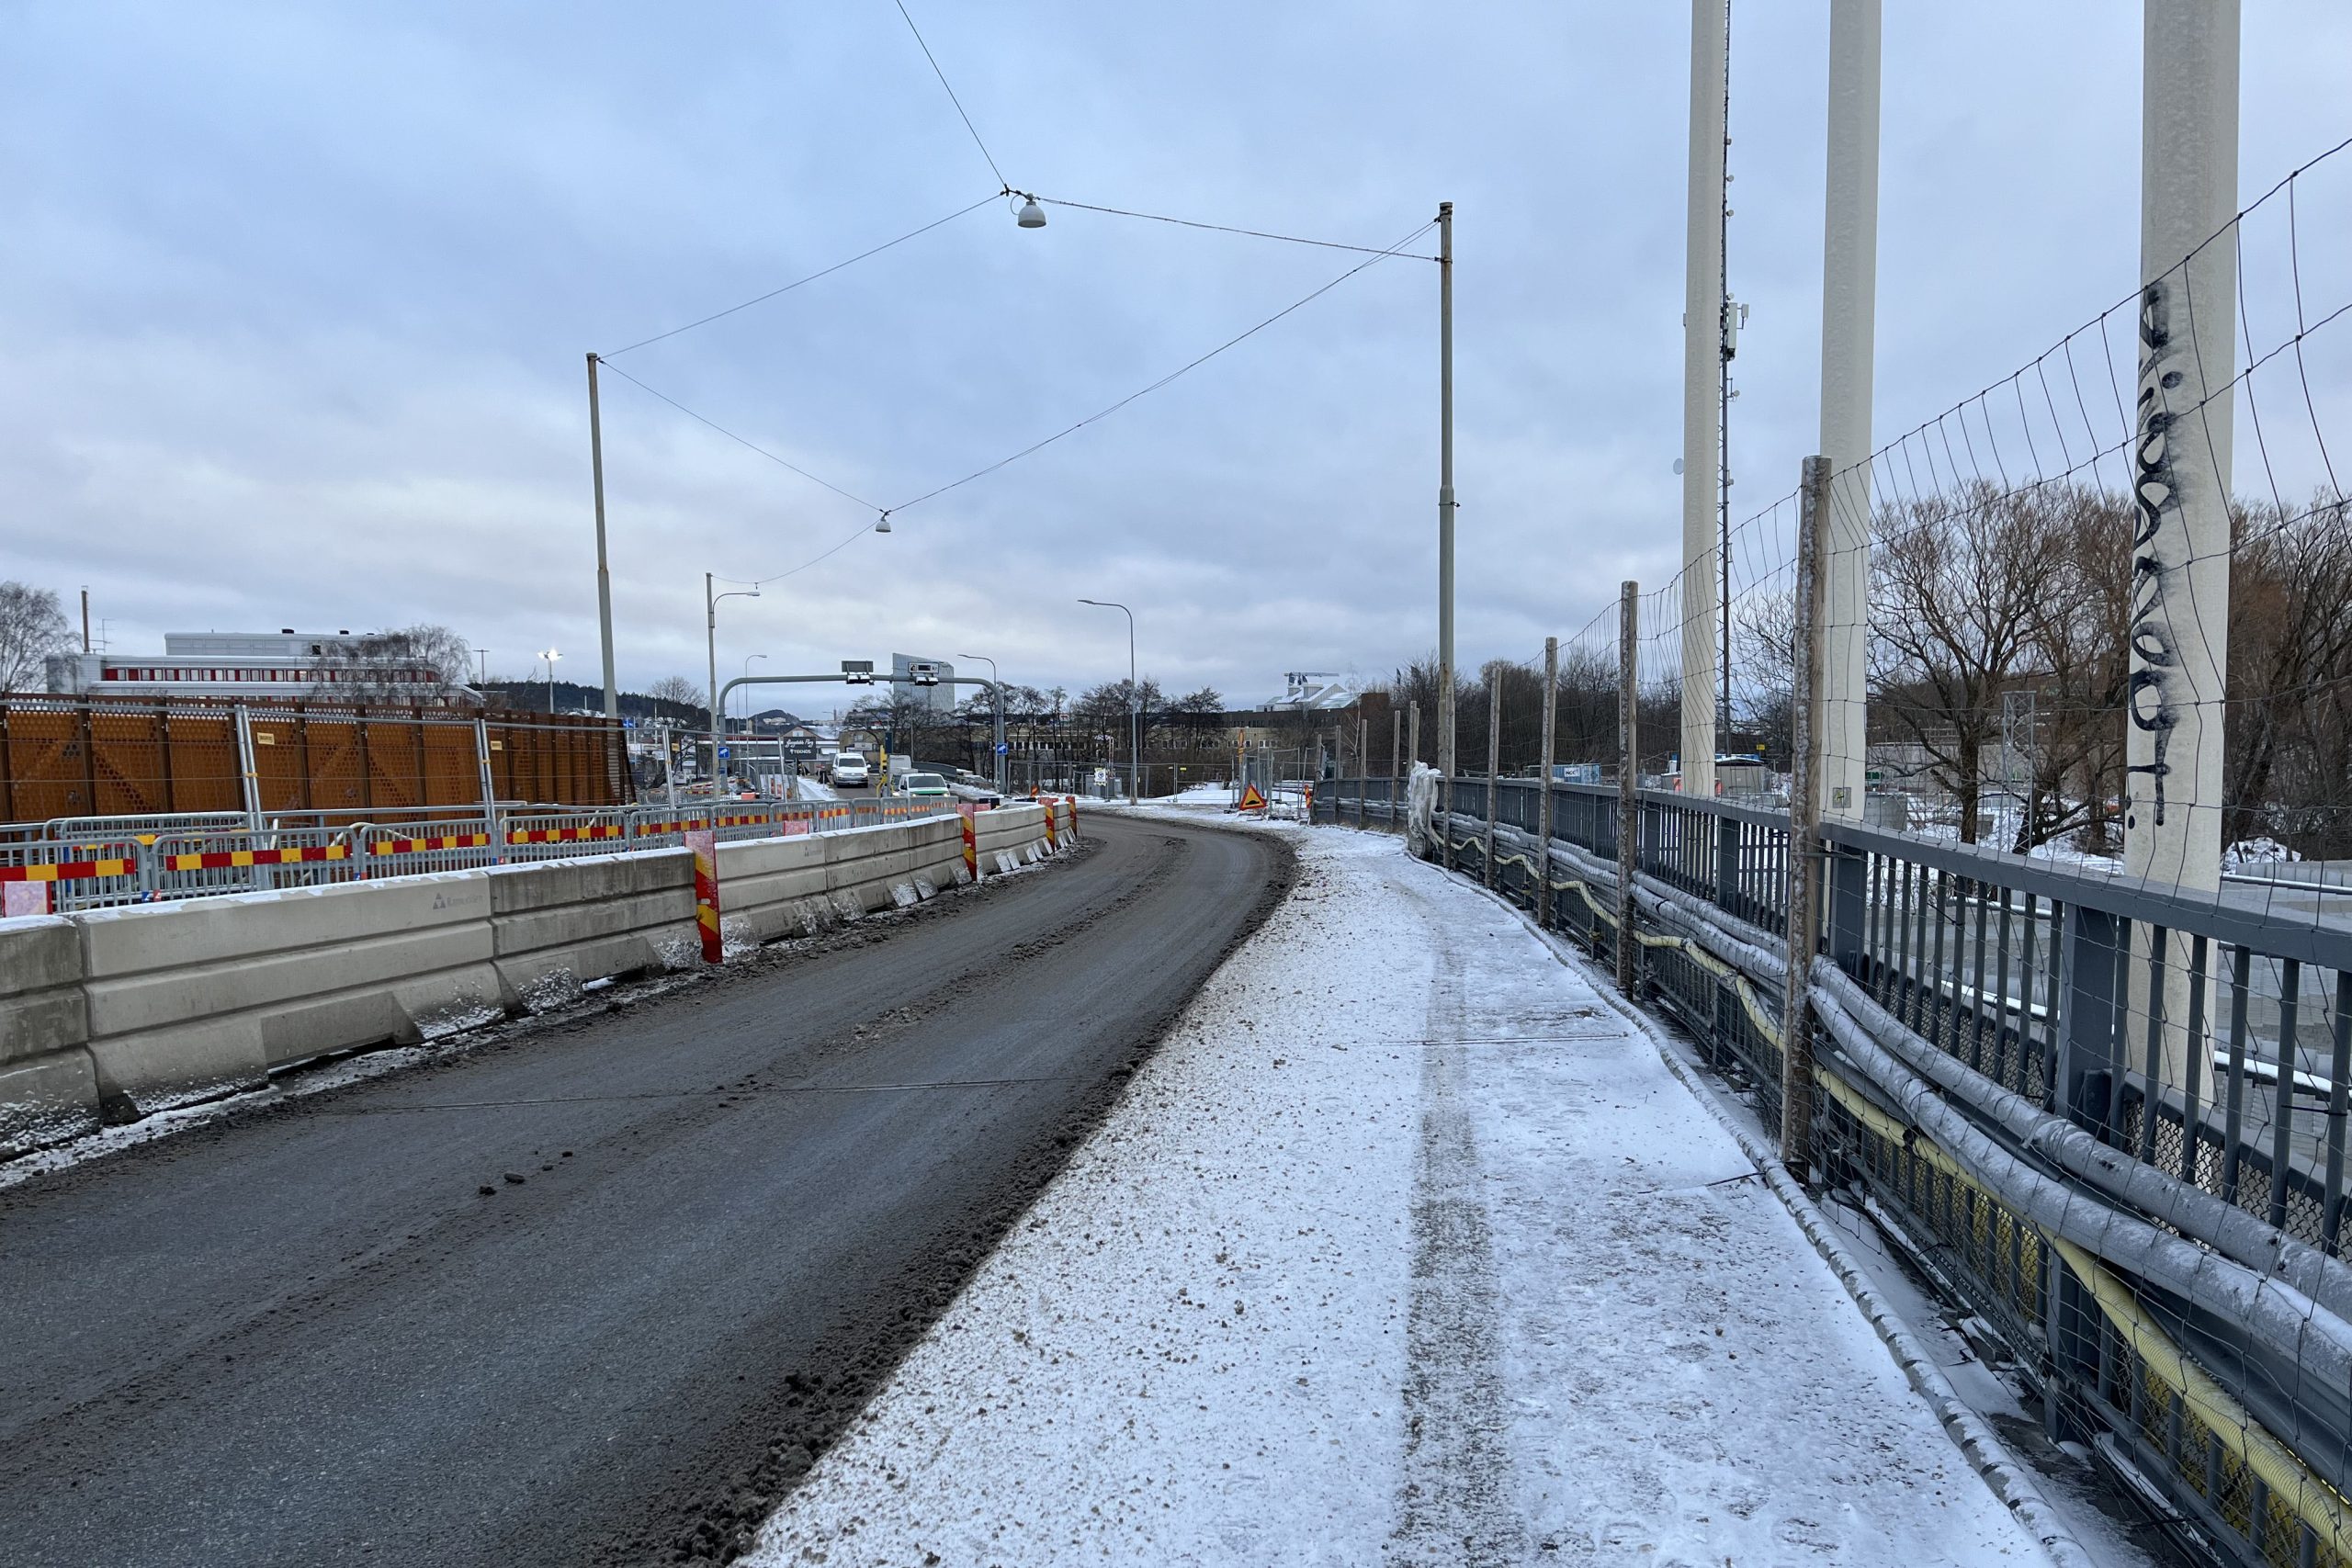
32, 628
419, 663
1956, 582
680, 692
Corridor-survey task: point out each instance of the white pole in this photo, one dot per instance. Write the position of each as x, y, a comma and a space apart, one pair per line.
1445, 492
2181, 456
2180, 579
1849, 311
1702, 327
603, 575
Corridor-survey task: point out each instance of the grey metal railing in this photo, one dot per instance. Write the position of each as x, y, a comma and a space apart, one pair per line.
2196, 1048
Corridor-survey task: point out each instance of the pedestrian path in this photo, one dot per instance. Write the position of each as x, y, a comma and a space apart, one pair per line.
1404, 1249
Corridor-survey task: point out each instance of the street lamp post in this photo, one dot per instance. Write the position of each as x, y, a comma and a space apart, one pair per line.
748, 660
1135, 704
550, 655
996, 700
710, 636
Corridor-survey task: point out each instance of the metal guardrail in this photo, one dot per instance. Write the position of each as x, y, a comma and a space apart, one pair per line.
92, 863
2199, 1046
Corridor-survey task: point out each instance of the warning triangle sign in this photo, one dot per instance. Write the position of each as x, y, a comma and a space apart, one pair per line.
1252, 800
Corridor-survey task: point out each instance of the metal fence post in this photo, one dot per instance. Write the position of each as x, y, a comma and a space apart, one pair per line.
489, 787
2090, 1026
1543, 776
249, 774
1494, 764
1727, 865
1846, 893
1804, 830
1629, 628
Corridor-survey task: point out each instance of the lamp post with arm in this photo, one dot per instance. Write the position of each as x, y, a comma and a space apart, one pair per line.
710, 635
1135, 703
996, 700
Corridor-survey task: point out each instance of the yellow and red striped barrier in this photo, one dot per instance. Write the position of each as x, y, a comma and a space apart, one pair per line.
213, 860
705, 846
421, 846
563, 835
68, 870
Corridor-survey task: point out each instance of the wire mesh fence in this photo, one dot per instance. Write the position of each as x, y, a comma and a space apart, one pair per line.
2071, 1017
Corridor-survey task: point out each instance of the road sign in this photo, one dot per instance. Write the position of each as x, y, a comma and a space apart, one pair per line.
628, 723
923, 673
725, 752
1001, 748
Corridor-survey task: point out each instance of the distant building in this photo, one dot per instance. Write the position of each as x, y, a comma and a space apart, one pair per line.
250, 664
1315, 691
940, 699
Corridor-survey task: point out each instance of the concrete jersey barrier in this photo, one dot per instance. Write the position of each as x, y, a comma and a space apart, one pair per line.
117, 1013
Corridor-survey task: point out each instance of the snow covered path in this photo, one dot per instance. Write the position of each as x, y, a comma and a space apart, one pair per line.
1404, 1249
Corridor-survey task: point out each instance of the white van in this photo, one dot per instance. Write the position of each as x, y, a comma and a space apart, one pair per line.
849, 769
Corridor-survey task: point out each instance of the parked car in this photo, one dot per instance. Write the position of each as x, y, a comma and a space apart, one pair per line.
924, 786
850, 771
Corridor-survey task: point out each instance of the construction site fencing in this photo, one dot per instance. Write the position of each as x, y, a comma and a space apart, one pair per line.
119, 757
71, 865
2106, 1117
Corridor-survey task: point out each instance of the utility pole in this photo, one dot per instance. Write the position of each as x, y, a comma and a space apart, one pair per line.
1848, 312
603, 573
1629, 755
86, 618
1543, 774
1804, 829
1703, 318
2180, 570
1445, 738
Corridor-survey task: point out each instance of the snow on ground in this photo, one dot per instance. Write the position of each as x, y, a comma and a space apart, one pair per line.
1405, 1247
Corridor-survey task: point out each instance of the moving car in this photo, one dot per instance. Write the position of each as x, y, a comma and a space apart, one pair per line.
922, 786
849, 769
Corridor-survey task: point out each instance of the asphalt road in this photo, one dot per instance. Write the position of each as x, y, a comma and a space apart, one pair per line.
308, 1335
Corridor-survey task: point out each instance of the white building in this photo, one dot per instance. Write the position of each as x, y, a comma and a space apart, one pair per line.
285, 663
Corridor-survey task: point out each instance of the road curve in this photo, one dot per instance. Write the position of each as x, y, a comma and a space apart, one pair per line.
309, 1336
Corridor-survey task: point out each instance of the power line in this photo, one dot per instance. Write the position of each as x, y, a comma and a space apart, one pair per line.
1375, 258
827, 272
742, 441
1229, 229
1006, 186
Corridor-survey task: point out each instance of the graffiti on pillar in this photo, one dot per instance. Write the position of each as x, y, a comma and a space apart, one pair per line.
2153, 699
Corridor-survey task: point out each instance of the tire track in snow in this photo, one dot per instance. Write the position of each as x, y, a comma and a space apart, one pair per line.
1455, 1507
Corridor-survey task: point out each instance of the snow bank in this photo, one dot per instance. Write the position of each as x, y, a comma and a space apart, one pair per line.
1404, 1247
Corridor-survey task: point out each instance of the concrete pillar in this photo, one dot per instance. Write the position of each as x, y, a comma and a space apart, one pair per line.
2182, 458
1702, 309
1849, 308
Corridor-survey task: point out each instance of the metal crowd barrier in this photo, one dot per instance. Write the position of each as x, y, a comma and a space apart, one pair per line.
80, 863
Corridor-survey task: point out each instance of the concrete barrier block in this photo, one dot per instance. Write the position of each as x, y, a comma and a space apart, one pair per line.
564, 926
38, 952
544, 884
42, 1008
47, 1099
556, 976
233, 928
139, 1074
264, 977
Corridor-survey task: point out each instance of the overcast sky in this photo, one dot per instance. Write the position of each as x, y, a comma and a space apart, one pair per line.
295, 300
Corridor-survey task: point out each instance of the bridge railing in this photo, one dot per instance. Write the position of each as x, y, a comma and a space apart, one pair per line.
2110, 1116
